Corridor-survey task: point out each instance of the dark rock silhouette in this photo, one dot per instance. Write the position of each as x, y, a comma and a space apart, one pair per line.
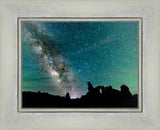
68, 96
90, 87
98, 97
125, 91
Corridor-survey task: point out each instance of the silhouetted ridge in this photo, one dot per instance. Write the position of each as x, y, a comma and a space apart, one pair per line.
98, 97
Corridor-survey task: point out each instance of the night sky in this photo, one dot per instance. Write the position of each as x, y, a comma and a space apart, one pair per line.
60, 57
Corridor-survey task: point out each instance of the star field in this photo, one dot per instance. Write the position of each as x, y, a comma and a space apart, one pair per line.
60, 57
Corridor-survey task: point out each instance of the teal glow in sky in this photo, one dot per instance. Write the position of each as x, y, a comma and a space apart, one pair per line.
60, 57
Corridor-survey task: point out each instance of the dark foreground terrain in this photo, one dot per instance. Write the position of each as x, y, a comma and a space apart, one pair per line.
98, 97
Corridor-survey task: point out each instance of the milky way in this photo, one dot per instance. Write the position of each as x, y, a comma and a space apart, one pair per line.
61, 57
53, 62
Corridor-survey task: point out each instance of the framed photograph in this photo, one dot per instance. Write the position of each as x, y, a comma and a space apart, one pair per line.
58, 57
79, 65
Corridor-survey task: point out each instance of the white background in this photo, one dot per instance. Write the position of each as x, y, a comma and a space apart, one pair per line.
11, 119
